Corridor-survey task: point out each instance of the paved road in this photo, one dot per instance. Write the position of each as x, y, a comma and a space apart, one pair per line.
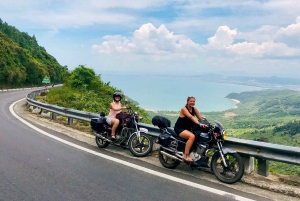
34, 166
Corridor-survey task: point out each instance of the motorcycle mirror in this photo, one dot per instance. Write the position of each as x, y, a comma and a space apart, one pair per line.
102, 114
126, 101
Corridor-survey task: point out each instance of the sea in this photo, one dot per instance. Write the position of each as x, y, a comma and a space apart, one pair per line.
169, 93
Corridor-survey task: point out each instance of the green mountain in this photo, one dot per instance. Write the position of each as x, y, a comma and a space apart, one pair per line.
23, 62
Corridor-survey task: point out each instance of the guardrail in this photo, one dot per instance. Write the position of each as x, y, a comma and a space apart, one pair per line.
248, 149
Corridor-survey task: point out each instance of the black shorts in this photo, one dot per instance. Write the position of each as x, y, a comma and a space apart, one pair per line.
178, 130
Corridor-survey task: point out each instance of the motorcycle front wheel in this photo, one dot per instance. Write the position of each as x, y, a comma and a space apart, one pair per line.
140, 148
101, 143
166, 161
231, 174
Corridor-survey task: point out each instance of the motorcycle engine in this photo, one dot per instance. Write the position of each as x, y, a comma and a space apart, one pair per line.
195, 156
201, 149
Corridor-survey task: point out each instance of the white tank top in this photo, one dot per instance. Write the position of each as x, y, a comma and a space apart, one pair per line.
113, 113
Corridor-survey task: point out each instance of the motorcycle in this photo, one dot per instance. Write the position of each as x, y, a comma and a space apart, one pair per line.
207, 150
128, 134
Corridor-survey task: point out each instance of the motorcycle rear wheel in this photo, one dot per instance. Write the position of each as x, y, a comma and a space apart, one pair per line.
140, 149
231, 174
166, 161
101, 143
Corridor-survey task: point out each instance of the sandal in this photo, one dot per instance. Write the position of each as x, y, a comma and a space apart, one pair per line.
188, 160
113, 137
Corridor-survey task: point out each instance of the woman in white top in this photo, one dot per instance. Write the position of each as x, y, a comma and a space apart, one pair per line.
115, 107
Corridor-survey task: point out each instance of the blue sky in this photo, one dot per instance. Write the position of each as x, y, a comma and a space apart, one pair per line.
236, 37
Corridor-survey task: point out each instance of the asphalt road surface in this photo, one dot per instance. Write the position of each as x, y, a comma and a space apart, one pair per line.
46, 165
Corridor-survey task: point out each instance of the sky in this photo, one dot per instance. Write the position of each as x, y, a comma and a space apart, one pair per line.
174, 37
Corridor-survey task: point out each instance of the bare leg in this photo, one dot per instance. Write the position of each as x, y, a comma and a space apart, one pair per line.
115, 123
190, 140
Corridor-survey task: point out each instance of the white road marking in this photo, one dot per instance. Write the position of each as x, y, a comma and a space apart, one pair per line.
149, 171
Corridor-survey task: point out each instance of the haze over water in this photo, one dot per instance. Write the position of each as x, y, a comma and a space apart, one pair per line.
170, 93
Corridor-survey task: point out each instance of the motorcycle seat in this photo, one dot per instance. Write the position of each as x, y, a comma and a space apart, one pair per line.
172, 132
104, 121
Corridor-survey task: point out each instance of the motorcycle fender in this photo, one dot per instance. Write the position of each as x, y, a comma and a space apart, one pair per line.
228, 150
144, 130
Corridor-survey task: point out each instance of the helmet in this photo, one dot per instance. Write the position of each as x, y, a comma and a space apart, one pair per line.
117, 94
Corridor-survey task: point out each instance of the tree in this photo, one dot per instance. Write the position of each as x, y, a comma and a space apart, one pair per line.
84, 78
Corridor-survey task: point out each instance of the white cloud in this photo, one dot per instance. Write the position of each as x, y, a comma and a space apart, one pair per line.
148, 40
264, 33
223, 37
290, 34
161, 42
268, 48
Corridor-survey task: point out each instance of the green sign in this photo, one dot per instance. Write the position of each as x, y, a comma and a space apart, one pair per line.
46, 80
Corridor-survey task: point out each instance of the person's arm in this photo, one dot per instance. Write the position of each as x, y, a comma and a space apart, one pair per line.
200, 117
198, 114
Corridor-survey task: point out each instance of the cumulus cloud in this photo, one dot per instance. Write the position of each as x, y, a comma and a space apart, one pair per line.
148, 40
290, 34
262, 34
268, 48
223, 37
267, 41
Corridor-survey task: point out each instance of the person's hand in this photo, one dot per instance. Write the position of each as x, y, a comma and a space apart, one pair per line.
203, 125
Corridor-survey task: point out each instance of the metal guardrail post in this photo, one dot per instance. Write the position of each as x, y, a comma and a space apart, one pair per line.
54, 115
248, 163
70, 121
263, 167
262, 164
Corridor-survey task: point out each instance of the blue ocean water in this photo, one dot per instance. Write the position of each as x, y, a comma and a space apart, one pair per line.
170, 93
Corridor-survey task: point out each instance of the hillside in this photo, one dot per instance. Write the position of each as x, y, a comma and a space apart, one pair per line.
23, 62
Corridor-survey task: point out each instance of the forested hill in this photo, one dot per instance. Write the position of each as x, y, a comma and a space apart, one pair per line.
23, 62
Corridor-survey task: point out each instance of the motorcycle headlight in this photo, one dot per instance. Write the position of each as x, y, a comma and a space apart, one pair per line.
224, 135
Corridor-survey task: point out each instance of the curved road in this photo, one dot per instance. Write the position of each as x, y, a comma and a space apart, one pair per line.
37, 165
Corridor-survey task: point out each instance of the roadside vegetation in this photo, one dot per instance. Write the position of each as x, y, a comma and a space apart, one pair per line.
85, 91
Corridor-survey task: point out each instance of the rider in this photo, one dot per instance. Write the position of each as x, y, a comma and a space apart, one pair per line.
115, 107
187, 118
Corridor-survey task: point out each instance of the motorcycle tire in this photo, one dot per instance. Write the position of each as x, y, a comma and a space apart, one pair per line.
101, 143
166, 161
231, 174
140, 149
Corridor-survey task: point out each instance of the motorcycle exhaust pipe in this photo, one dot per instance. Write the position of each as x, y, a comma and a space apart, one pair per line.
102, 138
171, 156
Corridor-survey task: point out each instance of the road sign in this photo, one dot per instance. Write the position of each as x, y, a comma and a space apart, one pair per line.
46, 80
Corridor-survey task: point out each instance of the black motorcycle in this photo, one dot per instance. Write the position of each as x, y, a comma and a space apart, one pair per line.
207, 150
128, 134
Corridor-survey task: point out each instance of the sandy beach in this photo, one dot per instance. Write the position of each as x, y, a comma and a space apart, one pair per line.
237, 102
151, 110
